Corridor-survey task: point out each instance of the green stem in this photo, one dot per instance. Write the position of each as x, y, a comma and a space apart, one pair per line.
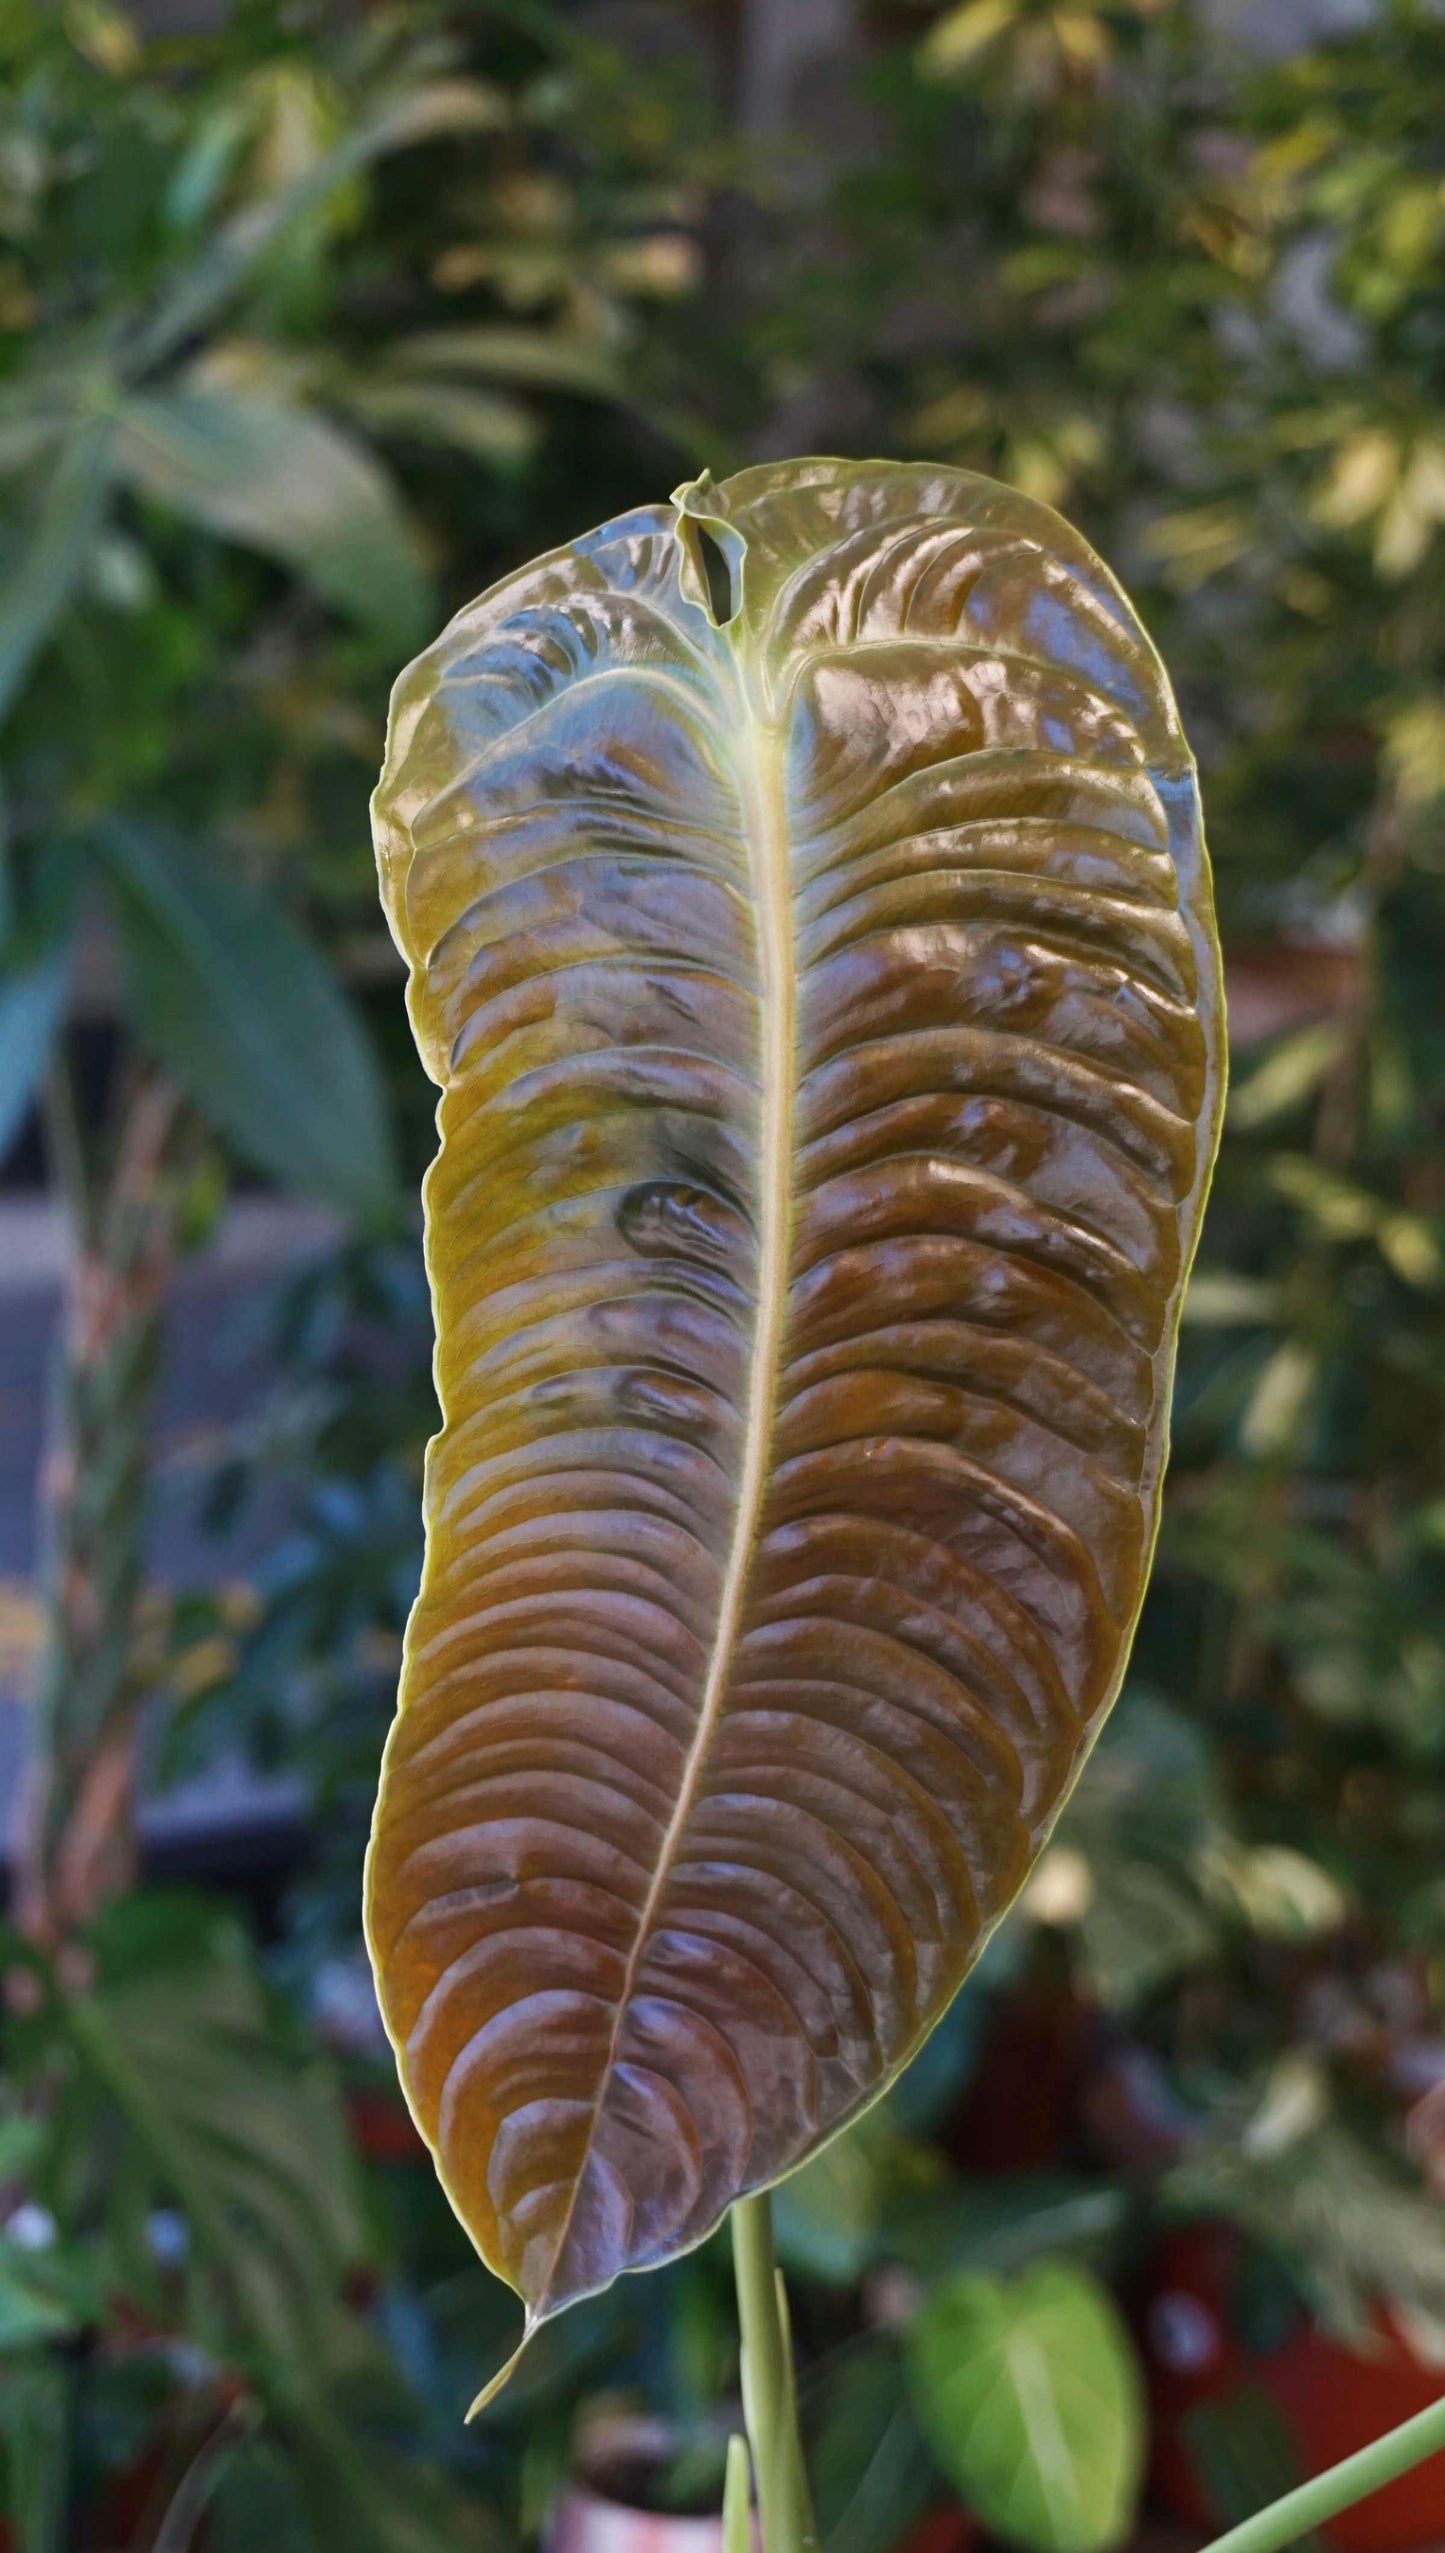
1345, 2483
737, 2509
770, 2398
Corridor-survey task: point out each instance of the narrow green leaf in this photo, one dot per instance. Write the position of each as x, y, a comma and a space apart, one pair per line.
31, 1003
40, 580
1028, 2394
34, 2308
535, 358
871, 2480
286, 482
962, 34
37, 2402
202, 290
207, 161
1000, 2224
827, 2215
1288, 1076
257, 2501
28, 430
243, 1010
477, 422
1244, 2452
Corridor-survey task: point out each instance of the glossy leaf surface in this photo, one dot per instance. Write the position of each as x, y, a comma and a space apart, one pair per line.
810, 934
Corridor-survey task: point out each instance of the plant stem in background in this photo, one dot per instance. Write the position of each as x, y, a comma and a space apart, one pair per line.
1352, 2479
75, 1843
770, 2396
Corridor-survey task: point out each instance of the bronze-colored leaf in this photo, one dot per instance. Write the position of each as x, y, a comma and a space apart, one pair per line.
810, 932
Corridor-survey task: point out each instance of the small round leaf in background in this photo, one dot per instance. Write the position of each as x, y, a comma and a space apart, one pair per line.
1028, 2393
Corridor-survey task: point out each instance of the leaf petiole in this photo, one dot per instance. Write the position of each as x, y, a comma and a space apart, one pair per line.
770, 2396
1352, 2479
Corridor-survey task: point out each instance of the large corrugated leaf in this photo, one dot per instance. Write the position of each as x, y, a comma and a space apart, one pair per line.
810, 933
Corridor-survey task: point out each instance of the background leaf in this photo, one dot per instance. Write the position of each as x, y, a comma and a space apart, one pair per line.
36, 2415
198, 295
236, 1002
1028, 2394
288, 483
240, 2130
528, 358
1003, 2220
32, 1002
826, 2216
478, 422
45, 560
870, 2474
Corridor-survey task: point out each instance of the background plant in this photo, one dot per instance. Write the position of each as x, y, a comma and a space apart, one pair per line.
1196, 300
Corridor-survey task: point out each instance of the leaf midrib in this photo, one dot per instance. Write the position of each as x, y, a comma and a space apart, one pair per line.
1054, 2463
758, 767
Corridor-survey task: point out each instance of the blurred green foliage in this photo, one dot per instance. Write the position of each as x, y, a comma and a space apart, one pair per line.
309, 327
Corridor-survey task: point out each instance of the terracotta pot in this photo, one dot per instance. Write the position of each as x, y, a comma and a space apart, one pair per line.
591, 2518
584, 2522
593, 2515
1332, 2400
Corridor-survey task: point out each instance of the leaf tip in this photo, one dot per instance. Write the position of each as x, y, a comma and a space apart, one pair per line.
505, 2372
701, 486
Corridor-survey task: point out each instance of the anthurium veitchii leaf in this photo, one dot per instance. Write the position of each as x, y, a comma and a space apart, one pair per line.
810, 932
